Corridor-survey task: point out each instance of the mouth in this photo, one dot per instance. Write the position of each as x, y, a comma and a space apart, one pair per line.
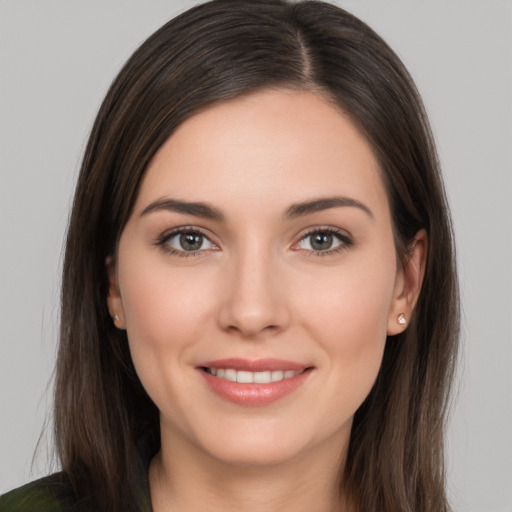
254, 383
248, 377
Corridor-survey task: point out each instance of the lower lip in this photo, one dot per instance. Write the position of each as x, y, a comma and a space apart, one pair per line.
253, 395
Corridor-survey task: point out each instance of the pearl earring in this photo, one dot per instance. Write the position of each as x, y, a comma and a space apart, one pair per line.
401, 319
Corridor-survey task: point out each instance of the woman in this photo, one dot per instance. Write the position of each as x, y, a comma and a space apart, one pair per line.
259, 304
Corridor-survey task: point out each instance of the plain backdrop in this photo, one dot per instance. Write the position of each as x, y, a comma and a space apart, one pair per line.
57, 58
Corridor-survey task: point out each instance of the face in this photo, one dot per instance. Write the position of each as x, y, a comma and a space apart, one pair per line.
257, 279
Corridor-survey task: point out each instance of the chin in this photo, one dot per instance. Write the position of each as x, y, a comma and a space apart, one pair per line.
255, 452
240, 441
268, 442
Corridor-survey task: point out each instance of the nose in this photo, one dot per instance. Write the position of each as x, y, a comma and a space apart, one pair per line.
254, 299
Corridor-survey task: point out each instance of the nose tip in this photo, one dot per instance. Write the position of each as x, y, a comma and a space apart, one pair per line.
250, 326
250, 316
254, 303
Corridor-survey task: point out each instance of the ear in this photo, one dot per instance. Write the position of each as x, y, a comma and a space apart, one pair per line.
408, 284
114, 302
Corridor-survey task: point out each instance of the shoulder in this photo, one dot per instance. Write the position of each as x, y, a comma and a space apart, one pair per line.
50, 494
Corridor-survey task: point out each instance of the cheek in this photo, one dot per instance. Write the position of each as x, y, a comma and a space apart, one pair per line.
164, 313
348, 317
350, 305
160, 303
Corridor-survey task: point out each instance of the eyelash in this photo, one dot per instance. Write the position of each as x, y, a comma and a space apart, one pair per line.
345, 241
163, 240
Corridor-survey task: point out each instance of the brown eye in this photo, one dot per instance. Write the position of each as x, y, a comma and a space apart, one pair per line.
191, 241
323, 241
188, 241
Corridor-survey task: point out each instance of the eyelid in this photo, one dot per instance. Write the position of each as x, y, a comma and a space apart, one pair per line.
345, 238
163, 238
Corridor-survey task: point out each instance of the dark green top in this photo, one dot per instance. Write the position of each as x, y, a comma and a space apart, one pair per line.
50, 494
54, 494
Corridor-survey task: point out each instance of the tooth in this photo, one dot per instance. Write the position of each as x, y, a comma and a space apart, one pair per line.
244, 377
230, 374
277, 375
262, 377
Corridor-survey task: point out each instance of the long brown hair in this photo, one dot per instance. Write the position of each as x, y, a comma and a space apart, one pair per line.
214, 52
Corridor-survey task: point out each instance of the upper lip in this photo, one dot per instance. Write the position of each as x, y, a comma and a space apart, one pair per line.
257, 365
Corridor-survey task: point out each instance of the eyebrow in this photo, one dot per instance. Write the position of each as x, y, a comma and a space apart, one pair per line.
206, 211
324, 203
196, 209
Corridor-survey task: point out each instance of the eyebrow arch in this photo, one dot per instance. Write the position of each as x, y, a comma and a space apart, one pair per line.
196, 209
324, 203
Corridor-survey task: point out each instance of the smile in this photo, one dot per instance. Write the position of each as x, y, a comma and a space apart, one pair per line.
254, 383
248, 377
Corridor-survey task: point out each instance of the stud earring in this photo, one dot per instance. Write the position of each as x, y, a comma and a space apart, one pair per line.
115, 318
401, 319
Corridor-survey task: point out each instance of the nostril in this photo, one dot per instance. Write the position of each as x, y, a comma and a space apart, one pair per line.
250, 314
253, 331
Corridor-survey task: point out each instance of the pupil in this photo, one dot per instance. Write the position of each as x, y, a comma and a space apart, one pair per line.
321, 241
191, 241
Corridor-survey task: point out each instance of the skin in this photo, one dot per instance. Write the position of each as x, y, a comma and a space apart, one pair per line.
254, 290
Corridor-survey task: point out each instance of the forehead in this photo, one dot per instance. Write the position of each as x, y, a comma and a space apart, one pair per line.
267, 147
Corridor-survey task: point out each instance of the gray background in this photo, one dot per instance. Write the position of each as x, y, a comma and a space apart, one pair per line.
56, 61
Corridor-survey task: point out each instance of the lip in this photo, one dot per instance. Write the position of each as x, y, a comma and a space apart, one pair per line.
254, 395
258, 365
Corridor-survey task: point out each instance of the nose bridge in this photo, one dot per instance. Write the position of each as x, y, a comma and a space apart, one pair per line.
253, 300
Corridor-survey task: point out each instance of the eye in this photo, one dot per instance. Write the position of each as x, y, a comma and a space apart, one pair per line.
186, 242
324, 241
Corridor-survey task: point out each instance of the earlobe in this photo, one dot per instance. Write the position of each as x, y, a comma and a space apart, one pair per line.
114, 302
408, 284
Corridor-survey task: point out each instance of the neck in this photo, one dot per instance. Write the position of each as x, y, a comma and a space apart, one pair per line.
184, 482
